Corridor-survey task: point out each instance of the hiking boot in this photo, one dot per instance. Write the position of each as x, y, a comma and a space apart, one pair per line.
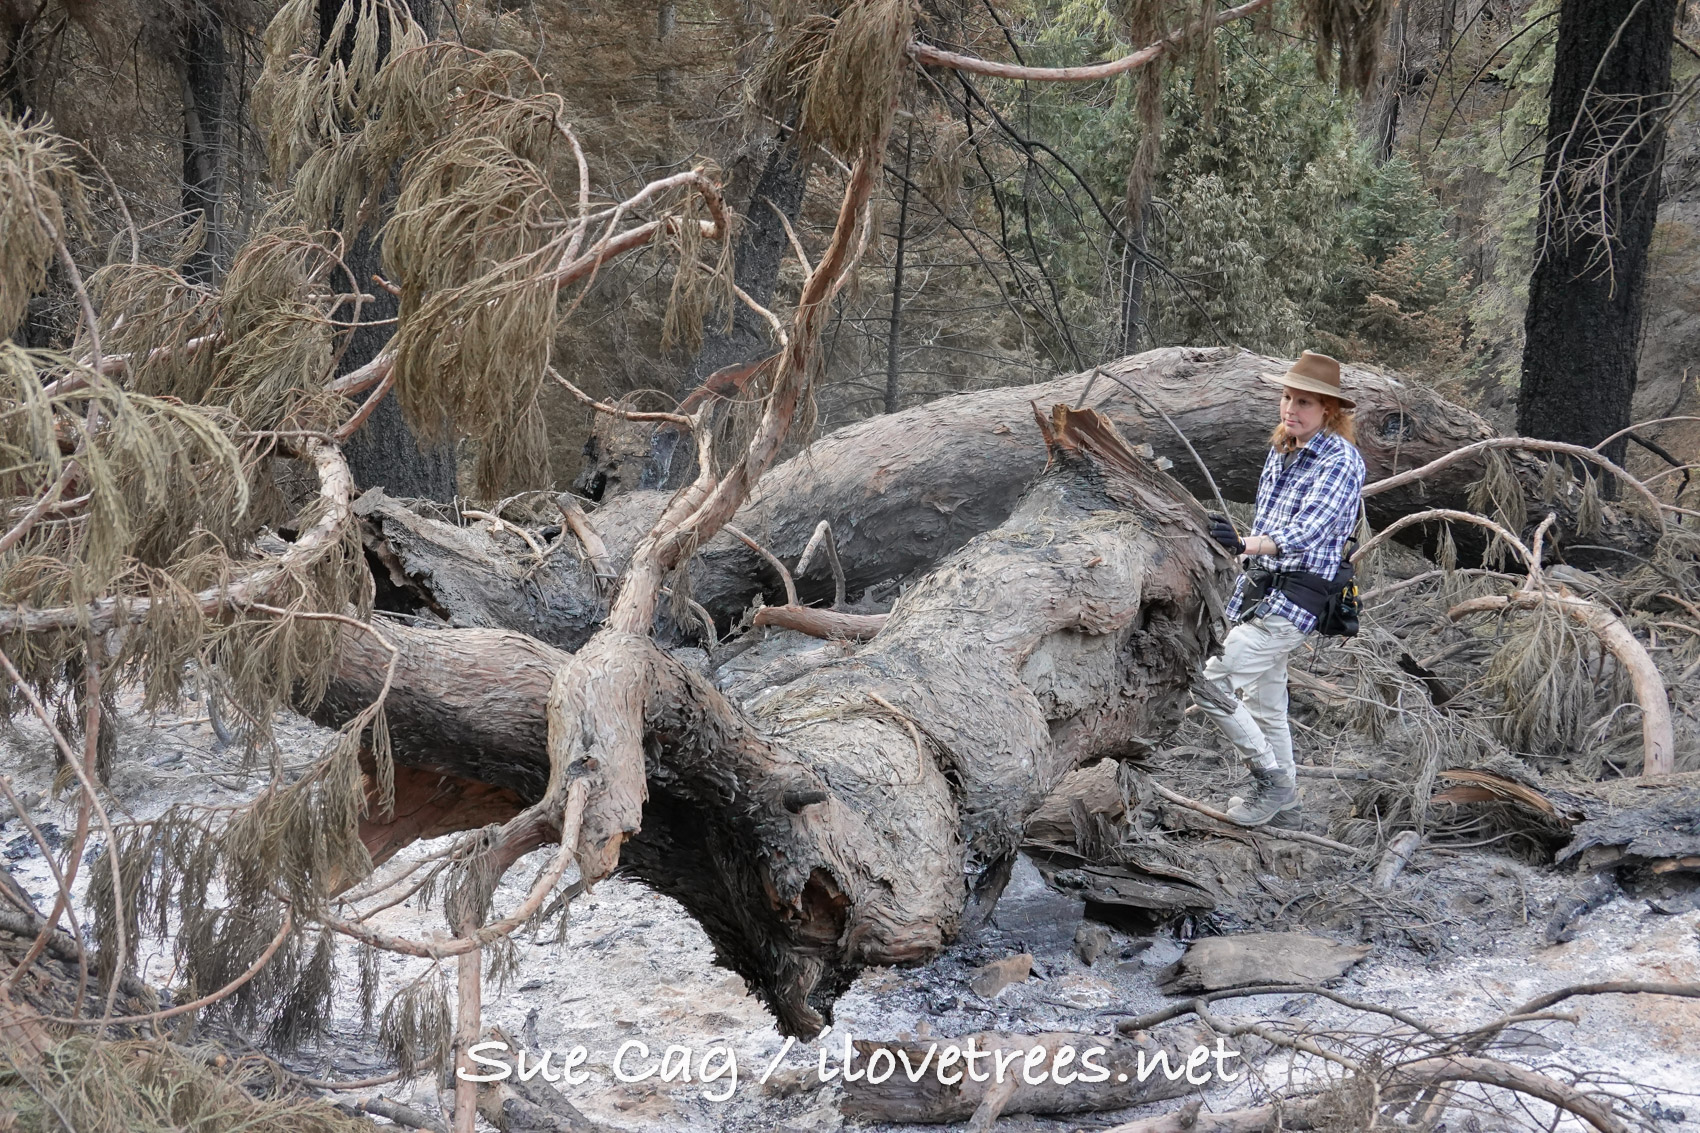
1274, 799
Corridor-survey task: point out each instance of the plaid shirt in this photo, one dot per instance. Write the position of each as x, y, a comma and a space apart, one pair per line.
1310, 509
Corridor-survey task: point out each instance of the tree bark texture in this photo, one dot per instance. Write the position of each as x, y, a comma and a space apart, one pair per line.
1599, 202
827, 820
904, 490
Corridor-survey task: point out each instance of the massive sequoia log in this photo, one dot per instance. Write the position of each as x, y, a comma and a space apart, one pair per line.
904, 490
829, 821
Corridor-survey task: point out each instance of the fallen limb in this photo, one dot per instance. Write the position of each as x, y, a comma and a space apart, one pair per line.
1481, 1035
1493, 1072
820, 623
1580, 452
1271, 831
1399, 853
1314, 1112
336, 486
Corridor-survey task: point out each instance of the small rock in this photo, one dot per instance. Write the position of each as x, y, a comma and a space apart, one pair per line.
991, 979
29, 800
1090, 942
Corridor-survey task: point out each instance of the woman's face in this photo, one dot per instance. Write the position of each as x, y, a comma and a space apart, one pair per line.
1301, 413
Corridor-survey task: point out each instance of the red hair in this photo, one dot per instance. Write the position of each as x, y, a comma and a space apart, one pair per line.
1336, 419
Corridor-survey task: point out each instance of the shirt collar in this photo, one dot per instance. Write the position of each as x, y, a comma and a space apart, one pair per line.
1320, 444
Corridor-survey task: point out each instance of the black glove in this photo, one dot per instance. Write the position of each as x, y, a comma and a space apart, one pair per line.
1223, 532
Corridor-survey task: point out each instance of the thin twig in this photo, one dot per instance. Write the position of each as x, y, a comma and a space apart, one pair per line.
784, 574
823, 538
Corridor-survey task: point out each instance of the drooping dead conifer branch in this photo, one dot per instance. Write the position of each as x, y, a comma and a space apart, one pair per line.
1579, 452
1537, 594
929, 56
1658, 739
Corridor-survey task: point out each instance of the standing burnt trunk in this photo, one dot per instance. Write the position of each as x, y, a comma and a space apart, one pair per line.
204, 73
762, 244
385, 452
1599, 202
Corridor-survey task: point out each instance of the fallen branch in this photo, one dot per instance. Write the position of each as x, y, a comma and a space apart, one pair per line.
336, 489
823, 539
1399, 852
1658, 739
1272, 831
1405, 521
1493, 1072
820, 623
772, 560
1578, 451
930, 56
595, 550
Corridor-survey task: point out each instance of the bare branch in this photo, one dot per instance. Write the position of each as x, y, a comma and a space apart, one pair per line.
1581, 452
929, 56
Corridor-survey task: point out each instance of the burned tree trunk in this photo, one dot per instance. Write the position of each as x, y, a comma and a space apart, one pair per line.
203, 71
386, 452
904, 490
1611, 88
828, 821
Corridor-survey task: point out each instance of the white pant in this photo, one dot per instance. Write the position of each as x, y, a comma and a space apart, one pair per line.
1253, 671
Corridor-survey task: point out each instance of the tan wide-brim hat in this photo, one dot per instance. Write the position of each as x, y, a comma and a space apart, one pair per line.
1313, 373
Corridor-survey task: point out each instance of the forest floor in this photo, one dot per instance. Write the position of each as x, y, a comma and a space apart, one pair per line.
630, 964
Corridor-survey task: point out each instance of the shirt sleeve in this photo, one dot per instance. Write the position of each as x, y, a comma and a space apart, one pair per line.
1266, 482
1331, 502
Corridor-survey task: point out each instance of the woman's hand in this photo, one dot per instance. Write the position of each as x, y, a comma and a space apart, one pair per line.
1222, 530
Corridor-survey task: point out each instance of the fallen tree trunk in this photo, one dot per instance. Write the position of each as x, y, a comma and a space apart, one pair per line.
904, 490
829, 822
1018, 1074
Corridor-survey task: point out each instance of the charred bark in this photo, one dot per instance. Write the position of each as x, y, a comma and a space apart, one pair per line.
775, 202
904, 490
1599, 202
385, 452
204, 71
828, 821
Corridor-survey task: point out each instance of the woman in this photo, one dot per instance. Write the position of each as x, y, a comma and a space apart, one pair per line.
1307, 507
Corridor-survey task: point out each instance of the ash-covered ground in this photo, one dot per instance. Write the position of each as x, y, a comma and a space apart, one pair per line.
629, 964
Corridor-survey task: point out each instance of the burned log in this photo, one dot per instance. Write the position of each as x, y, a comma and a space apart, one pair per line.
1039, 1074
828, 822
903, 490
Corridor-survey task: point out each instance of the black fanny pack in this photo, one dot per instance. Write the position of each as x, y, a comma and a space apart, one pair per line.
1332, 601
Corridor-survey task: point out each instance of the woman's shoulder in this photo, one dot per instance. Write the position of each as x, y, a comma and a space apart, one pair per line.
1339, 447
1338, 450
